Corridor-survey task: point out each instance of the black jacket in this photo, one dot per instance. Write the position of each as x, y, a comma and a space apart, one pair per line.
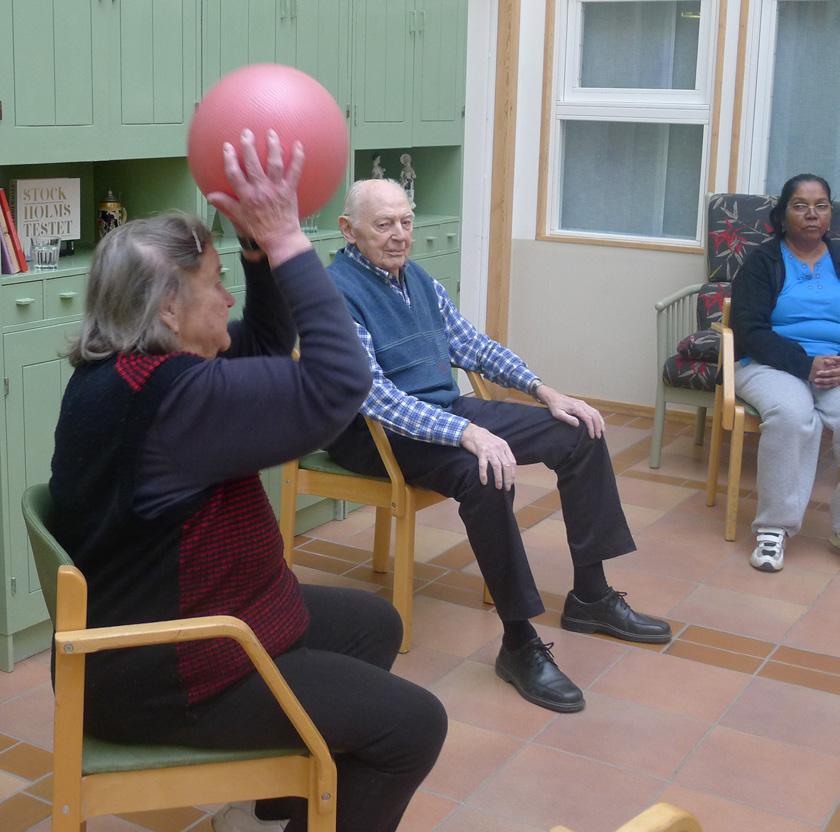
754, 293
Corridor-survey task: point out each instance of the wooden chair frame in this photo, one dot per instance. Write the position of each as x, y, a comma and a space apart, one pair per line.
732, 414
146, 778
392, 497
661, 817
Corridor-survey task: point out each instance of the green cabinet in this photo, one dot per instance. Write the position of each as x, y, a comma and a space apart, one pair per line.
408, 72
312, 35
87, 79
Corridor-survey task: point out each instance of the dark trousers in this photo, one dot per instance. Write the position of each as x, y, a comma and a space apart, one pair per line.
595, 524
387, 731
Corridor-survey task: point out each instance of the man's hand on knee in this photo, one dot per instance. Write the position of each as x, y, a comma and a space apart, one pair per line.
491, 450
571, 411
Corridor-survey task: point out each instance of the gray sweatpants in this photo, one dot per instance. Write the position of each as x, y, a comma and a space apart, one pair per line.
793, 413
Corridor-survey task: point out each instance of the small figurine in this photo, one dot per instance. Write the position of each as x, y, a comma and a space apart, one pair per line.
377, 171
407, 177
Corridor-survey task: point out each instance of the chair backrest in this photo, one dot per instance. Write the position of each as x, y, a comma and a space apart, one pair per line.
38, 513
737, 223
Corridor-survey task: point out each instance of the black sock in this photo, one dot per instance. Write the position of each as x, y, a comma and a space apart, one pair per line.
517, 633
591, 582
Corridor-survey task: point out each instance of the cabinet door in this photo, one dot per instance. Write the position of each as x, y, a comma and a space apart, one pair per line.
240, 32
323, 44
383, 52
37, 377
53, 80
153, 77
439, 72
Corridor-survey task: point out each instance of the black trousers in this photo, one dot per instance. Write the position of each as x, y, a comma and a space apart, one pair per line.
595, 524
387, 731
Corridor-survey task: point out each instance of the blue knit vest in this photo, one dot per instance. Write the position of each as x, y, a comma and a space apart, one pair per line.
410, 342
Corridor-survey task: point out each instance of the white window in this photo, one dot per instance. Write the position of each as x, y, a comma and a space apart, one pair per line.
792, 100
629, 119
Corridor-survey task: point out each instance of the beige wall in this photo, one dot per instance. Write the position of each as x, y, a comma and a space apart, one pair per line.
583, 318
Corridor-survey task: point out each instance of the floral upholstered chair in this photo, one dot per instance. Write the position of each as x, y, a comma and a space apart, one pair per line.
686, 345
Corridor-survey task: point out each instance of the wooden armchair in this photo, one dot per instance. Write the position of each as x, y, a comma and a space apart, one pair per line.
661, 817
318, 474
94, 777
732, 414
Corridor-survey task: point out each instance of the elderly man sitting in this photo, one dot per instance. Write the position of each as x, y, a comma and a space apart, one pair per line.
468, 449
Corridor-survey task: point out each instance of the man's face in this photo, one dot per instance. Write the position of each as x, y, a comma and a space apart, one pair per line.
383, 225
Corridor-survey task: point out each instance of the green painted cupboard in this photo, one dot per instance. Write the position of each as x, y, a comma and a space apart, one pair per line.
104, 90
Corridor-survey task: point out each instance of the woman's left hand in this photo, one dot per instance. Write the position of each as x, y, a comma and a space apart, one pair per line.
572, 411
264, 206
825, 372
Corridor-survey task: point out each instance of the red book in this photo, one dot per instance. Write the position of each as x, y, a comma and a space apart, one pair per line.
10, 224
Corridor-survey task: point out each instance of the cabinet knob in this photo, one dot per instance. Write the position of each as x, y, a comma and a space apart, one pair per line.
451, 235
24, 301
67, 295
333, 253
430, 240
224, 270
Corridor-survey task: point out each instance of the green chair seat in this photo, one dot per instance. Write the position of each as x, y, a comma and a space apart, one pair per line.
101, 756
321, 461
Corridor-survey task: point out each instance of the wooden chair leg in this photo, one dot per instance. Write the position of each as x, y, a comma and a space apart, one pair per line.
488, 598
404, 569
733, 485
714, 449
658, 426
381, 540
288, 508
699, 425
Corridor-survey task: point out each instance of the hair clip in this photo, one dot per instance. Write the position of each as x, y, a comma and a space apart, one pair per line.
197, 242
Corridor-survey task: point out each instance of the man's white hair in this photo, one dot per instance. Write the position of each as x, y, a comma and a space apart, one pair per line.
356, 196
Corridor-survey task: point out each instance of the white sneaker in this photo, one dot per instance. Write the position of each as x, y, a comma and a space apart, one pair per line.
769, 553
240, 817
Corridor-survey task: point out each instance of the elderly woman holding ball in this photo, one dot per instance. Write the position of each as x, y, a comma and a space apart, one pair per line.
169, 415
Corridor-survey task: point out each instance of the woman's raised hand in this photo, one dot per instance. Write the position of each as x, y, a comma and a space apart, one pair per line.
264, 206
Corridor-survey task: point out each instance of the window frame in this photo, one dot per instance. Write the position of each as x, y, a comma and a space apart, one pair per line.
565, 100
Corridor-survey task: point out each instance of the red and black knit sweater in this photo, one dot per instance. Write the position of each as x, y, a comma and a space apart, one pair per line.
217, 553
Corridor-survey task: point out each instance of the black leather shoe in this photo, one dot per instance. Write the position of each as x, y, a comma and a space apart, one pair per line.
533, 672
615, 617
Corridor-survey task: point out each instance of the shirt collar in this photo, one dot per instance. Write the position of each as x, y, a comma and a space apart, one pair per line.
352, 251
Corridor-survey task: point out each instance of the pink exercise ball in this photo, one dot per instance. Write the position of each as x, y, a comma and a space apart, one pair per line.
260, 96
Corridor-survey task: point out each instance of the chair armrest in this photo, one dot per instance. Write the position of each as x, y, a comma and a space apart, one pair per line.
727, 363
671, 299
676, 317
479, 385
392, 467
93, 640
662, 817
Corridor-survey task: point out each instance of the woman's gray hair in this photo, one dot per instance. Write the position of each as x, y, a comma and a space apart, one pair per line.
354, 196
135, 268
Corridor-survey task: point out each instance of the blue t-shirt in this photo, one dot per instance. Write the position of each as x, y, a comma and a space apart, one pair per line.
808, 307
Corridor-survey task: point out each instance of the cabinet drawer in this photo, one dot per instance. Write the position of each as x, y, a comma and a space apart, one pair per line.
427, 240
450, 236
65, 296
22, 303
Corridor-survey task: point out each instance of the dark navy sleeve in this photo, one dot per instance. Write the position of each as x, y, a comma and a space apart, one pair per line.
267, 326
232, 416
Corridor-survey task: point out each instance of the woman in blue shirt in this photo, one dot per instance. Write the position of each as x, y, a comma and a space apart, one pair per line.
786, 320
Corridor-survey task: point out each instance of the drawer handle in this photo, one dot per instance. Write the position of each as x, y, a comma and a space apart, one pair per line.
224, 270
67, 295
333, 253
451, 236
430, 239
24, 301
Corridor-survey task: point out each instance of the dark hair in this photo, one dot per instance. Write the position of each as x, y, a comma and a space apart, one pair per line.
777, 215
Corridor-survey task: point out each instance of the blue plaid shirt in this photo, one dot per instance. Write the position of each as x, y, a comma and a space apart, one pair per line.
468, 349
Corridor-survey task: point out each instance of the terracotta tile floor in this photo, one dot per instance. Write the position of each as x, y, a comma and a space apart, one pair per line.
738, 720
